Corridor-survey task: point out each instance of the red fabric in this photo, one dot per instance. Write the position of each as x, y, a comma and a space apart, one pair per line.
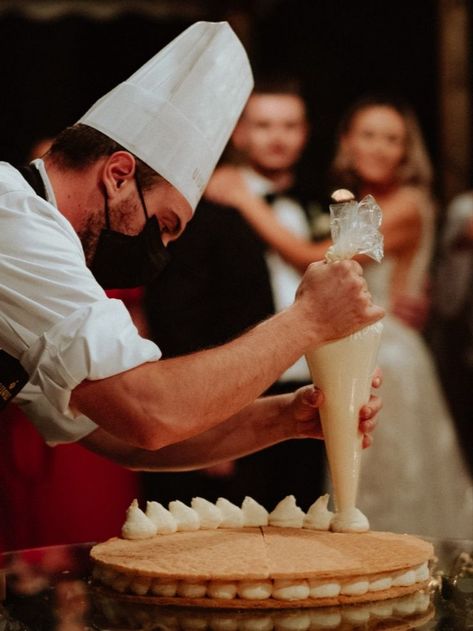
60, 495
64, 494
129, 296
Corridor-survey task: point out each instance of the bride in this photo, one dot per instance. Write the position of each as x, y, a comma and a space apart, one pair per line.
414, 479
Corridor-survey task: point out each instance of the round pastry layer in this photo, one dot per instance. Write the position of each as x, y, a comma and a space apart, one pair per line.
407, 612
267, 567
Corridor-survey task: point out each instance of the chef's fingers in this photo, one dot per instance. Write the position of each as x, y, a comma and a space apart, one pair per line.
367, 427
313, 396
377, 380
367, 441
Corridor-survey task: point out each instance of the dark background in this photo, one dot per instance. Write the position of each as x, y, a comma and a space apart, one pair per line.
342, 50
53, 69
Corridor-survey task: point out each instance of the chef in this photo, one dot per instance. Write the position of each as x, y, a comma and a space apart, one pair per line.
97, 212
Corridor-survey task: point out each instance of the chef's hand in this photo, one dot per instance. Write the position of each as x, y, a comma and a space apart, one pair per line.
334, 301
308, 399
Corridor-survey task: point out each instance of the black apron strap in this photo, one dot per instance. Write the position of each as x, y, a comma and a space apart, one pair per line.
34, 179
13, 377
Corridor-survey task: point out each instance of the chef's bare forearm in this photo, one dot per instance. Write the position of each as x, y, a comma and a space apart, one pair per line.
259, 425
165, 402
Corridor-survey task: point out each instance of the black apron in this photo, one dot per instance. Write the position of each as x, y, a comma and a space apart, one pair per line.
13, 377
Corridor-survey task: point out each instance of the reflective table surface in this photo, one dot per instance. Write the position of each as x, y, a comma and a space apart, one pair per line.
50, 589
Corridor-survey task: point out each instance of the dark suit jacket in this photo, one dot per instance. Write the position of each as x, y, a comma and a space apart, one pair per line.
215, 286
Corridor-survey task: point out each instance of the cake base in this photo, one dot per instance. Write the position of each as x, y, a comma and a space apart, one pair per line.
363, 567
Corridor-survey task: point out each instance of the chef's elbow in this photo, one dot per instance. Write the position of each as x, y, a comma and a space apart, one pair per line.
142, 436
153, 433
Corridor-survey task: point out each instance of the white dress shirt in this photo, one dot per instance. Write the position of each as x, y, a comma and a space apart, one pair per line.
54, 317
284, 278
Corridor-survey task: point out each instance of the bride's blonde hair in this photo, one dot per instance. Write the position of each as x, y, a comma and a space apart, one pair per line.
415, 168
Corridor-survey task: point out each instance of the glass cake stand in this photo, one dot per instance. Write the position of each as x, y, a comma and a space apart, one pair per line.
49, 588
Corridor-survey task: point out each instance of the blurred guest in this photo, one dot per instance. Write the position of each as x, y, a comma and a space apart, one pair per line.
234, 281
451, 327
415, 478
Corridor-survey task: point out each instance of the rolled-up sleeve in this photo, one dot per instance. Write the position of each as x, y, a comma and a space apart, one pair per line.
94, 342
54, 317
56, 428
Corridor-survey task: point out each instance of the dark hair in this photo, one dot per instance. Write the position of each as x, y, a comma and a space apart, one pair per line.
79, 146
416, 167
278, 84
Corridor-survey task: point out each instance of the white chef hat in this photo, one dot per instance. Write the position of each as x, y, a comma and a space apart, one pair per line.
176, 113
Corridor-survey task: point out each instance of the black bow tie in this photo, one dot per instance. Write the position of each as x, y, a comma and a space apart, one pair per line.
270, 198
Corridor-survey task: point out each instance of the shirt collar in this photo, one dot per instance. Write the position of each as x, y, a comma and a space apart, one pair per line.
39, 164
258, 184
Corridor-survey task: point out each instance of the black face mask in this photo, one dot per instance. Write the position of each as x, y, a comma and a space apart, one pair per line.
122, 260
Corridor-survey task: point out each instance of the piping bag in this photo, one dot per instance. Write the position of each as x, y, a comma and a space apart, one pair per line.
343, 369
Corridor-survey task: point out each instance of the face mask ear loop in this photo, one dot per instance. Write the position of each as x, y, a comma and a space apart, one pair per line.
107, 214
141, 196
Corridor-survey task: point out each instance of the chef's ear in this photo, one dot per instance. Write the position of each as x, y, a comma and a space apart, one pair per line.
119, 168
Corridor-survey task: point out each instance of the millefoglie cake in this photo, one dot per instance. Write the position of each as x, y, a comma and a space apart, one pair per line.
223, 555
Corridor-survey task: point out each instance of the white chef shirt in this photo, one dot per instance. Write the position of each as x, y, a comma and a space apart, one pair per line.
54, 317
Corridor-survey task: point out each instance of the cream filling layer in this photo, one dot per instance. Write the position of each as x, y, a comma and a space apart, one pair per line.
279, 589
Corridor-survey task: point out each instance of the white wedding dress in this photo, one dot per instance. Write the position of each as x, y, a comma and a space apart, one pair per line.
413, 478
